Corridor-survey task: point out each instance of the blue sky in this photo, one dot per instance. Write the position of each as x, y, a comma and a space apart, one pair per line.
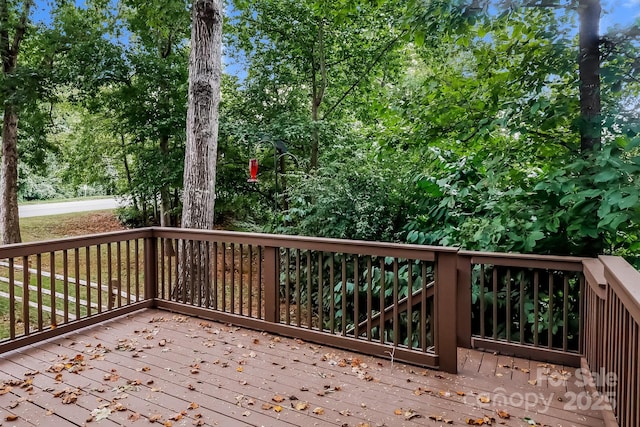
615, 12
620, 12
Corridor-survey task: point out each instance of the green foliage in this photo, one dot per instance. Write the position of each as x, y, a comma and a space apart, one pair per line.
478, 202
596, 197
337, 294
533, 310
357, 198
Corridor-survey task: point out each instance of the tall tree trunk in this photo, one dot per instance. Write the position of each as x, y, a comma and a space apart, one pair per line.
589, 69
205, 69
590, 110
9, 218
202, 114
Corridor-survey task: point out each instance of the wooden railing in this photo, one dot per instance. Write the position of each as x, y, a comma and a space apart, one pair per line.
48, 288
405, 302
526, 305
612, 340
375, 298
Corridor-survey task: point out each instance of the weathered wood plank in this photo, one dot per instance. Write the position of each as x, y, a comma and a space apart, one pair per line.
231, 372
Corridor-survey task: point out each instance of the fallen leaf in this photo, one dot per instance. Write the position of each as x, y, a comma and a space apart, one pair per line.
460, 393
301, 406
177, 417
267, 406
532, 382
134, 417
6, 389
155, 417
70, 398
99, 414
484, 399
277, 398
503, 414
411, 414
168, 424
318, 411
246, 413
193, 405
277, 408
397, 412
239, 369
11, 417
489, 420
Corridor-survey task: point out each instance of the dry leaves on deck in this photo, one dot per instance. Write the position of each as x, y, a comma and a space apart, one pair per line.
484, 421
74, 365
503, 414
68, 395
440, 418
408, 414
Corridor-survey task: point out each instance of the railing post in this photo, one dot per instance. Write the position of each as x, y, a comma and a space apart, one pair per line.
150, 268
464, 301
271, 285
446, 307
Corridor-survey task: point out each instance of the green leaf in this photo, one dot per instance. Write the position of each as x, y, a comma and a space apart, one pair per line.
628, 202
606, 176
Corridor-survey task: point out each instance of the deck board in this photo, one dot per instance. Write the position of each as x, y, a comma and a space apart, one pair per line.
227, 374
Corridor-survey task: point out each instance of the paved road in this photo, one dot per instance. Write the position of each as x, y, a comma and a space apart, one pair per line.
66, 207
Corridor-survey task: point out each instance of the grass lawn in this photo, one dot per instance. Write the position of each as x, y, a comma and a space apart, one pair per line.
66, 225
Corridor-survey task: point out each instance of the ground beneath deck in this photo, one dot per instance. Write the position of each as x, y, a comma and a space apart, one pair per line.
154, 366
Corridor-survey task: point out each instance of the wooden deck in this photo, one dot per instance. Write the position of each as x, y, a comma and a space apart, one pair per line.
180, 371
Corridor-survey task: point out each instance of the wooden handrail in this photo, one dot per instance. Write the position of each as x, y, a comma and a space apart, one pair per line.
25, 249
362, 247
594, 275
624, 281
558, 262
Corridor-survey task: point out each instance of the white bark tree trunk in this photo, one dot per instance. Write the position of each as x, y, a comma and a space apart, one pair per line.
205, 72
205, 69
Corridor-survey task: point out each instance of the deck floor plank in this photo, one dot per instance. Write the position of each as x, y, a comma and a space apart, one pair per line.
156, 363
